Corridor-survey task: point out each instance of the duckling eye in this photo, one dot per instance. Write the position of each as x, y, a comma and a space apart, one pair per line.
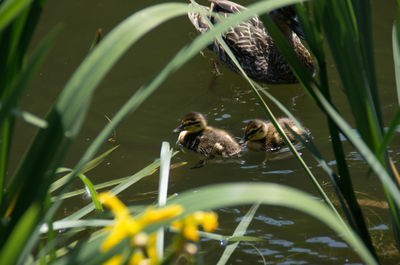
191, 124
252, 131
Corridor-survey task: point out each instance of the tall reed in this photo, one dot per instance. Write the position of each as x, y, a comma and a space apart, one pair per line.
28, 212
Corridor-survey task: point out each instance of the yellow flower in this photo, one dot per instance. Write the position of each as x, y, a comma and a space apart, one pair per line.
145, 247
118, 232
190, 231
109, 200
189, 225
152, 250
158, 215
124, 224
115, 260
177, 224
136, 258
209, 220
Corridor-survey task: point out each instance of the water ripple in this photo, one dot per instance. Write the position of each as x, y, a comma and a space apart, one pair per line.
379, 227
280, 172
281, 242
271, 221
327, 240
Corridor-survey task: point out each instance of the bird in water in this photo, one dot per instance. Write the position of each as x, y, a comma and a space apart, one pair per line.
261, 135
252, 45
196, 135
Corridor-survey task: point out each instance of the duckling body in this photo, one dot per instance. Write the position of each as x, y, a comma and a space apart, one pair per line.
261, 135
251, 44
196, 135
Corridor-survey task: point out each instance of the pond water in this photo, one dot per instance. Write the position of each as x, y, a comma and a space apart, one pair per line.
290, 237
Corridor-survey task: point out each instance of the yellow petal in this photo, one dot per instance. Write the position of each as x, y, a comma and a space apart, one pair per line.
190, 232
210, 221
152, 250
161, 214
115, 260
118, 233
112, 202
178, 224
136, 258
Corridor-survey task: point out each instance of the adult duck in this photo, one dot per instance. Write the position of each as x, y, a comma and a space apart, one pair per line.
251, 44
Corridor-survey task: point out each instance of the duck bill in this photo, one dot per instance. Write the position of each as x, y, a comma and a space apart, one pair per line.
243, 140
178, 129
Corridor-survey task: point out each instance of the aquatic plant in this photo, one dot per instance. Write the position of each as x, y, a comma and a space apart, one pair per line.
27, 213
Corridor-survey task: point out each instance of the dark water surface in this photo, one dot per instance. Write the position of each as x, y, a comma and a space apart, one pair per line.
291, 237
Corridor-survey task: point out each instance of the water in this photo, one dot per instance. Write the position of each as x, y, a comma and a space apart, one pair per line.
291, 237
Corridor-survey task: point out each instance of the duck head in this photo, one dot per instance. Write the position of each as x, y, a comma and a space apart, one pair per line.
286, 19
193, 122
255, 130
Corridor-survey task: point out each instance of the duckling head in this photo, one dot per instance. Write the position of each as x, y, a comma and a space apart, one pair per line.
255, 130
193, 122
286, 19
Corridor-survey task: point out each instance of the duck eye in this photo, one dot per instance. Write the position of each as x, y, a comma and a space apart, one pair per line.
191, 124
252, 132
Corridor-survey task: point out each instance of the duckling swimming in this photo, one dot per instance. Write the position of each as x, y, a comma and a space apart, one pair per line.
195, 134
251, 44
261, 135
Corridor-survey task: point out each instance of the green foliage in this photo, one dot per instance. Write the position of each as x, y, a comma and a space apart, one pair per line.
27, 213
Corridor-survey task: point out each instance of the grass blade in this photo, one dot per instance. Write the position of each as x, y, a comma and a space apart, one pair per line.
93, 194
225, 195
315, 92
30, 118
89, 166
316, 154
11, 250
66, 117
165, 158
61, 225
150, 169
9, 10
25, 76
396, 55
239, 231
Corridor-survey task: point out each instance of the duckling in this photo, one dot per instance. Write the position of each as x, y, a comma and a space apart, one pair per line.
261, 135
195, 134
251, 44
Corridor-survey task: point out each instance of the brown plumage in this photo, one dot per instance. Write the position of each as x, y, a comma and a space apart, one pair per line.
251, 44
195, 134
261, 135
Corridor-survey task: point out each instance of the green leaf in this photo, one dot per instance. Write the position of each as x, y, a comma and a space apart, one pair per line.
89, 166
93, 194
239, 231
116, 190
65, 119
60, 225
396, 55
11, 251
30, 118
225, 195
22, 80
165, 158
10, 9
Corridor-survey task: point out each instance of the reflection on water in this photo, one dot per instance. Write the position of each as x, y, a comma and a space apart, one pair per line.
274, 222
328, 241
291, 237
